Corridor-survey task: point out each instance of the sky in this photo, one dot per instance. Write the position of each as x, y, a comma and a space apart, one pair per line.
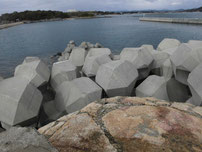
8, 6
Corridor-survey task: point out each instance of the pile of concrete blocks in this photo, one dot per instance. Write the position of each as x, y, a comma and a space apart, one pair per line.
37, 95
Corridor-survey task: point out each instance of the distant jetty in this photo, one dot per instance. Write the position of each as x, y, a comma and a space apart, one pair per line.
10, 25
173, 20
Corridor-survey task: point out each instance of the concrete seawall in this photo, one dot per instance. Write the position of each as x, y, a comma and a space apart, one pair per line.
10, 25
173, 20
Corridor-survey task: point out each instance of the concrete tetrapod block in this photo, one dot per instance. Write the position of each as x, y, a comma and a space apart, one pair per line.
63, 71
177, 91
31, 59
76, 94
166, 70
19, 139
36, 71
195, 85
184, 60
19, 99
117, 78
141, 58
195, 44
170, 51
77, 57
99, 51
148, 47
167, 44
92, 64
153, 86
159, 58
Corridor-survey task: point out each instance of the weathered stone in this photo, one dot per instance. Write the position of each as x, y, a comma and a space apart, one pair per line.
74, 95
140, 57
183, 106
184, 60
98, 45
195, 85
63, 71
198, 110
153, 86
20, 101
36, 71
92, 64
127, 124
24, 140
65, 56
78, 56
79, 133
177, 91
166, 70
159, 58
167, 44
117, 78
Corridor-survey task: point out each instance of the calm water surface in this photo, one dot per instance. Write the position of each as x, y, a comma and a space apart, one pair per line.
47, 38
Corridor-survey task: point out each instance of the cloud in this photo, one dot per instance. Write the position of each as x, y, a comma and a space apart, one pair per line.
106, 5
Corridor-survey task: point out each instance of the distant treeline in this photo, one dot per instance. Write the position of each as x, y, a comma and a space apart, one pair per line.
41, 15
195, 10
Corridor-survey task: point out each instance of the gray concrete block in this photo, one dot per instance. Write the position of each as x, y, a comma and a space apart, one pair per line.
148, 47
92, 64
153, 86
167, 44
177, 91
76, 94
77, 57
36, 71
141, 58
159, 58
166, 70
19, 139
117, 78
195, 85
19, 100
184, 60
99, 51
63, 71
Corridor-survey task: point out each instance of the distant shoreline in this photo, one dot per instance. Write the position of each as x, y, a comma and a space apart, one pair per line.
3, 26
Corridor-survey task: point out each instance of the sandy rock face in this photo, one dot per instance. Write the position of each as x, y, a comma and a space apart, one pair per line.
128, 124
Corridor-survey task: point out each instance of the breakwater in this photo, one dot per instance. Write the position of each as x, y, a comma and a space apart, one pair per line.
173, 20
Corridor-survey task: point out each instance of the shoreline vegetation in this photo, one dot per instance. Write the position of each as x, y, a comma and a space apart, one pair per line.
17, 18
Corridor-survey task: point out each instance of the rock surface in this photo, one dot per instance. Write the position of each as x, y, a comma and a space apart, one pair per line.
167, 44
24, 140
128, 124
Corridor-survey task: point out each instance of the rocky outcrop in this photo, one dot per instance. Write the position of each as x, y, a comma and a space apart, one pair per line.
128, 124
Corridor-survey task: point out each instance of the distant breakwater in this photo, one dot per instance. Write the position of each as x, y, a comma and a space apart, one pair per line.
173, 20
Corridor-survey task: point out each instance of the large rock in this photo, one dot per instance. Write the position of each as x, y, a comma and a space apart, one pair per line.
117, 78
195, 85
77, 57
148, 47
65, 56
177, 91
128, 125
92, 64
153, 86
99, 51
76, 94
24, 140
184, 60
63, 71
167, 44
20, 101
159, 58
140, 57
35, 70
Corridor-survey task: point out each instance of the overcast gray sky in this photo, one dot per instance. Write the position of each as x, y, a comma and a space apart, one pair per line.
105, 5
